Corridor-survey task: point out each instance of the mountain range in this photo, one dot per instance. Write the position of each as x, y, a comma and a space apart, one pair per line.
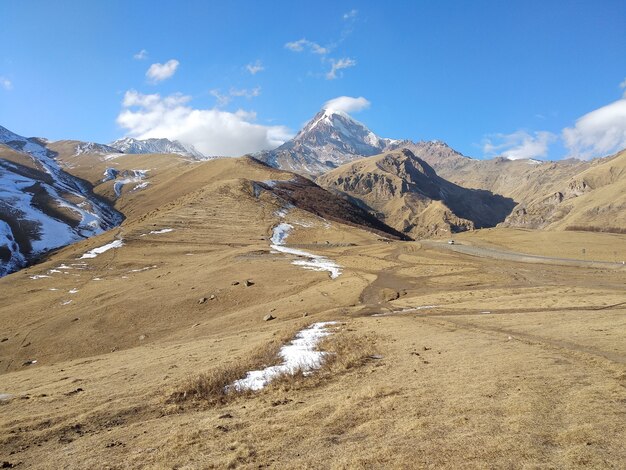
55, 193
182, 278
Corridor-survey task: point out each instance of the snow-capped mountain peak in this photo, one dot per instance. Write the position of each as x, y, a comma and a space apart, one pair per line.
93, 147
132, 145
330, 139
338, 126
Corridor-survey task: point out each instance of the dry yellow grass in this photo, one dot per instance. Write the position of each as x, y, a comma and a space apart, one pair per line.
519, 365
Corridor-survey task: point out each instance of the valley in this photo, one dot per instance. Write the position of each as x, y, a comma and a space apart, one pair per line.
467, 319
435, 348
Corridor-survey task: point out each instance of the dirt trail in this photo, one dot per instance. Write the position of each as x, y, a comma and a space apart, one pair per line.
520, 257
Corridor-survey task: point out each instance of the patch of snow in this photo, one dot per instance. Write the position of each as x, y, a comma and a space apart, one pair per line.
283, 211
142, 269
163, 230
406, 310
135, 176
53, 289
299, 355
280, 233
110, 174
96, 279
39, 276
305, 224
67, 302
139, 186
98, 251
313, 262
73, 291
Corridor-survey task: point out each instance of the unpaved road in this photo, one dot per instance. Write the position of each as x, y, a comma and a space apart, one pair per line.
519, 257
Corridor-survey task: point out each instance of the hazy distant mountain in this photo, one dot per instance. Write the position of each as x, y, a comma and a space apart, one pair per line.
131, 145
42, 207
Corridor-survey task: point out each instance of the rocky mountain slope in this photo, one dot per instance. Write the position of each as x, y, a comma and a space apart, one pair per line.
406, 193
42, 207
593, 199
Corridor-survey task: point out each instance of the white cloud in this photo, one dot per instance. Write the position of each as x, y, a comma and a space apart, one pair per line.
519, 144
255, 68
598, 133
159, 72
141, 55
212, 131
247, 93
351, 14
302, 44
221, 100
224, 99
6, 83
347, 104
337, 65
623, 85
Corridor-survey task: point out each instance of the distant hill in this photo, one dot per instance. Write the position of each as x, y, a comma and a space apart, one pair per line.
593, 199
406, 192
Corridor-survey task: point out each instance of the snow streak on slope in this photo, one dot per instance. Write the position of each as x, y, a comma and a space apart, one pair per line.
134, 176
102, 249
299, 355
311, 261
16, 199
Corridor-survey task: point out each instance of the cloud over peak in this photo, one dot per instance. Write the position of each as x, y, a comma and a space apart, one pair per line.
347, 104
519, 144
211, 131
159, 72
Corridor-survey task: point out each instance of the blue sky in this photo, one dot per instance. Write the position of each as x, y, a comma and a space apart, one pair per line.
487, 77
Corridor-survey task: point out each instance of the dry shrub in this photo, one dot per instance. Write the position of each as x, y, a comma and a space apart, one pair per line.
347, 350
594, 228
